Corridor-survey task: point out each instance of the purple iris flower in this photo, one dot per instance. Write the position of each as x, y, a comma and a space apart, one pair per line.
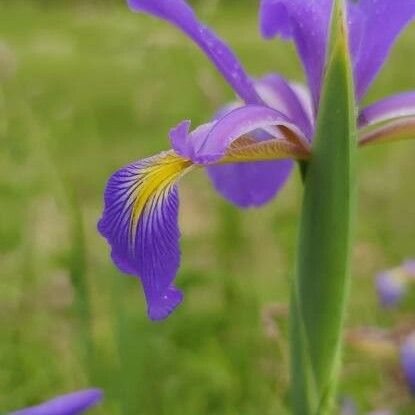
71, 404
248, 150
391, 287
408, 361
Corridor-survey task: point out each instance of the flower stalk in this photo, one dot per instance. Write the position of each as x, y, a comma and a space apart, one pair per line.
323, 265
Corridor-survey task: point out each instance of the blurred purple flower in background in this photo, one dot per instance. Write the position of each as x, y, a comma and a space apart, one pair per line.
408, 361
409, 267
348, 407
70, 404
248, 150
391, 288
392, 285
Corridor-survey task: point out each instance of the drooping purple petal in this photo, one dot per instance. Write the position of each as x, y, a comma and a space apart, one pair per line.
306, 22
408, 361
71, 404
397, 106
381, 22
278, 94
237, 123
391, 289
140, 224
250, 184
180, 14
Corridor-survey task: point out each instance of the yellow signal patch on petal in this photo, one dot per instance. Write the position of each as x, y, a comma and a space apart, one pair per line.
153, 179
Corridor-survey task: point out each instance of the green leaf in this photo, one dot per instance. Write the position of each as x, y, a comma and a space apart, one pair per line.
323, 265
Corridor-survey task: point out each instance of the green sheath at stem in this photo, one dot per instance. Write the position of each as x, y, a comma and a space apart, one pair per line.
323, 265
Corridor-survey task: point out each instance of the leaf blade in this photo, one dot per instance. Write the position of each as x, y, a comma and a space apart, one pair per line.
323, 265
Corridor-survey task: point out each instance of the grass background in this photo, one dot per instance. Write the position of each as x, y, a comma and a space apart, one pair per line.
88, 87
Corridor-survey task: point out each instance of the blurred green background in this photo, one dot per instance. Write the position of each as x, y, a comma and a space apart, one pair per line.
87, 87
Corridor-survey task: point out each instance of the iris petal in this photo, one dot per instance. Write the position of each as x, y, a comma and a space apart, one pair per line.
140, 224
236, 124
250, 184
306, 22
381, 22
70, 404
374, 26
280, 95
397, 106
180, 14
395, 130
244, 184
247, 149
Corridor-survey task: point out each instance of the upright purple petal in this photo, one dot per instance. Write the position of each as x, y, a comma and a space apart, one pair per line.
373, 27
180, 14
408, 361
306, 22
391, 288
278, 94
250, 184
396, 106
381, 22
70, 404
140, 224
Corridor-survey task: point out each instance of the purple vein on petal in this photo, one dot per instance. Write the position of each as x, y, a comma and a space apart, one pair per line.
180, 14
